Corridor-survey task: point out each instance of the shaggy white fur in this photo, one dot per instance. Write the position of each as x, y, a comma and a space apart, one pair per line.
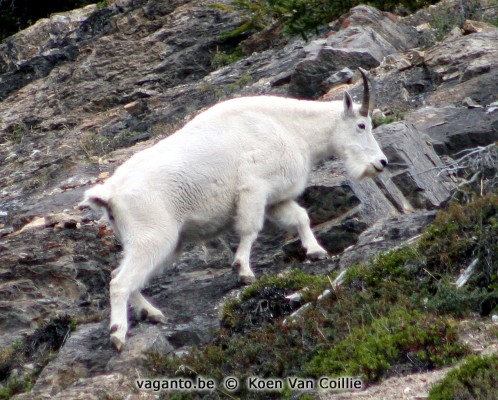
229, 167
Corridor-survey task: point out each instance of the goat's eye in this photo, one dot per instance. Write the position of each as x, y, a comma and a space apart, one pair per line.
361, 126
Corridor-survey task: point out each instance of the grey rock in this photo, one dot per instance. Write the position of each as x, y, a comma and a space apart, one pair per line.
449, 72
402, 90
435, 22
415, 167
334, 239
325, 203
384, 235
464, 57
452, 129
363, 41
36, 51
86, 351
146, 338
479, 88
345, 75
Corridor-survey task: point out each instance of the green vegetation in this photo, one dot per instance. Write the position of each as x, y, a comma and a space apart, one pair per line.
223, 58
475, 379
36, 349
392, 314
18, 133
303, 16
369, 352
463, 233
265, 300
96, 144
220, 92
387, 119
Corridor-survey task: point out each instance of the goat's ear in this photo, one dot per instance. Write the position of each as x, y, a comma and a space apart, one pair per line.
348, 105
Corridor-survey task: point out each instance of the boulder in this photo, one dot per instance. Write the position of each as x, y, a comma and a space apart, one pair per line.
452, 129
444, 74
364, 38
385, 235
465, 57
415, 168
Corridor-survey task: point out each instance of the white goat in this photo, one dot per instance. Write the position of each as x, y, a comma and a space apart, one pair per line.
230, 166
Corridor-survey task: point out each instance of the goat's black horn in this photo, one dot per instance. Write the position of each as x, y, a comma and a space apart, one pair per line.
367, 104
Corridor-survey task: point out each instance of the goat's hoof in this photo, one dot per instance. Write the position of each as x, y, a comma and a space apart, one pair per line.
117, 338
158, 318
143, 314
318, 255
155, 316
117, 343
247, 279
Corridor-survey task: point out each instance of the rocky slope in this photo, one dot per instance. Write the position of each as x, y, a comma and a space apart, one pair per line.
82, 91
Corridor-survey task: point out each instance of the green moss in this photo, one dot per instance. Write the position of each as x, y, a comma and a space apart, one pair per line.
17, 385
18, 133
388, 119
265, 300
475, 379
461, 233
291, 281
95, 144
425, 273
223, 58
228, 89
390, 266
343, 320
401, 337
102, 4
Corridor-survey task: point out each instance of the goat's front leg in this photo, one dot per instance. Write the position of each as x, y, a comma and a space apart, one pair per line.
290, 215
246, 276
249, 221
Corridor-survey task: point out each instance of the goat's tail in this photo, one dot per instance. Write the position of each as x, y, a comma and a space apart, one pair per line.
97, 198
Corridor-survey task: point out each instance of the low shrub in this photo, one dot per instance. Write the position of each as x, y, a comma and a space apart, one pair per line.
412, 339
475, 379
304, 16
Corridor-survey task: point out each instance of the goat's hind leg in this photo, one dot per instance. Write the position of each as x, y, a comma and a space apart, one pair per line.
142, 258
290, 215
145, 310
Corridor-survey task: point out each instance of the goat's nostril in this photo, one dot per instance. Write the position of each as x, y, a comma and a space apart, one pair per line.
383, 162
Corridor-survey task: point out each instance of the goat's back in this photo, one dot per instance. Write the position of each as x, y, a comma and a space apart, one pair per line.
195, 174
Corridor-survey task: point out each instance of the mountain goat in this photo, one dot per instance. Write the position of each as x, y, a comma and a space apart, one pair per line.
230, 166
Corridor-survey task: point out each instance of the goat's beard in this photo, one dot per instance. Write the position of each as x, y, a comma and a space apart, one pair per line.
360, 171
